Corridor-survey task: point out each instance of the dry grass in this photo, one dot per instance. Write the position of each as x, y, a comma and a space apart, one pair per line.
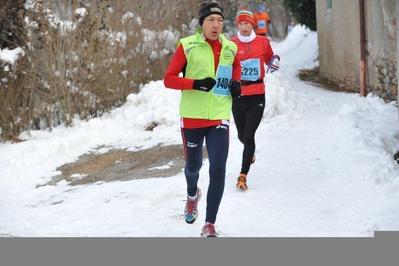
83, 64
122, 165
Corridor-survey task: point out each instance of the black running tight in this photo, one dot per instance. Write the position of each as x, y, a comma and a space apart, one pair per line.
248, 113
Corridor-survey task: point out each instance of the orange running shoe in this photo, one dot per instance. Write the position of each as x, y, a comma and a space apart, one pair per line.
242, 182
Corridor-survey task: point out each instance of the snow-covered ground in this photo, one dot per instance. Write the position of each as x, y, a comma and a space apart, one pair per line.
324, 167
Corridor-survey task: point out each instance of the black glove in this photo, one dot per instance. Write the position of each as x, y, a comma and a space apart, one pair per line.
204, 84
235, 90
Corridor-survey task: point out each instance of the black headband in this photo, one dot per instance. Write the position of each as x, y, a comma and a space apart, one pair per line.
209, 10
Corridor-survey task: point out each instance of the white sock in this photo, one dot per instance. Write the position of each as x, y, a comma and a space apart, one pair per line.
193, 197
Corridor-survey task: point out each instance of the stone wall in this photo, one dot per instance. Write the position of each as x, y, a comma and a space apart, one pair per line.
385, 82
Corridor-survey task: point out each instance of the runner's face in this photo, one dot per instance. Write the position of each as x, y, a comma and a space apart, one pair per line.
245, 28
212, 26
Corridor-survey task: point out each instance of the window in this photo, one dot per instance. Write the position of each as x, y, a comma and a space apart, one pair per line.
329, 3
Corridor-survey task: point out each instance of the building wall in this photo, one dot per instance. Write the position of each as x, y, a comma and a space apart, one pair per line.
339, 44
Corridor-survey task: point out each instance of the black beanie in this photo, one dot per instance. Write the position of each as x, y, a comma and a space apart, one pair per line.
207, 9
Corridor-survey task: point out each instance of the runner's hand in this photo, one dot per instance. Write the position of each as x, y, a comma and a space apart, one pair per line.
274, 64
235, 90
204, 84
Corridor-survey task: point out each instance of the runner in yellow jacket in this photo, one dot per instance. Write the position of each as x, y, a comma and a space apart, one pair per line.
210, 79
